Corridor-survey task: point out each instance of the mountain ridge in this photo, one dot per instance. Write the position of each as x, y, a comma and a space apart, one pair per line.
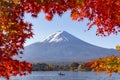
62, 46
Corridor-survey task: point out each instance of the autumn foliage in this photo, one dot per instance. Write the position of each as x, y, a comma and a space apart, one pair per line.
105, 14
13, 33
108, 64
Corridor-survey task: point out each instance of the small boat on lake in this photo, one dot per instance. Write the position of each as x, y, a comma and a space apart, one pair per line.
62, 74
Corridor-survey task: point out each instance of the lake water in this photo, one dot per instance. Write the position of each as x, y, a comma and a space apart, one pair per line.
53, 75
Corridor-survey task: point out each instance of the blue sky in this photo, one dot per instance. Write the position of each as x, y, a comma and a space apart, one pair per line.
43, 28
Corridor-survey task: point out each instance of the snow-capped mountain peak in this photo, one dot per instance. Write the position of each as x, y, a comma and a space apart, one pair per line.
60, 36
64, 47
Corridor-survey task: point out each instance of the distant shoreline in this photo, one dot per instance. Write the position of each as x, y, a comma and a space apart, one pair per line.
74, 66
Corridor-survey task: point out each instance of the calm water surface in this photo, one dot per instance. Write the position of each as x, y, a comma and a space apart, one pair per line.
53, 75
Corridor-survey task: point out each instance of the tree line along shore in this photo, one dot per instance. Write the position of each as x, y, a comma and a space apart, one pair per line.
74, 66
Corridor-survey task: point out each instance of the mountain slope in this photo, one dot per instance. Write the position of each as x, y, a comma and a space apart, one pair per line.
64, 47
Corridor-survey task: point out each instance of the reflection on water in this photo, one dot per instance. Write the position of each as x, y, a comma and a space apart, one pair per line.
54, 75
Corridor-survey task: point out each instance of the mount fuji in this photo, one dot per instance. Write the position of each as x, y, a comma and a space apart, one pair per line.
64, 47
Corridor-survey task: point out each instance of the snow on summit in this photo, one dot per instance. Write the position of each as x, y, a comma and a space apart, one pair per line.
58, 37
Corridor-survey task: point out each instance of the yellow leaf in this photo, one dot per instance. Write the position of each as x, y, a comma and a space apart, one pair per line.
3, 27
118, 48
16, 1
